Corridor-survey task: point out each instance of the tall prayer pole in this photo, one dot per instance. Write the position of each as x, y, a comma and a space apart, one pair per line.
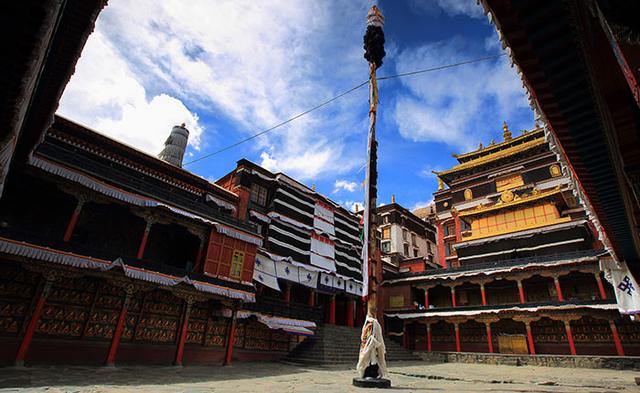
371, 362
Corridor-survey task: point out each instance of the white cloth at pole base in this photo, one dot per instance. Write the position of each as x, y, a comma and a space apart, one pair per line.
625, 286
372, 349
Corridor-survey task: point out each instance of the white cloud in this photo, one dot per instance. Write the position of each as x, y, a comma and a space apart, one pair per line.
352, 206
345, 185
105, 95
468, 8
421, 204
254, 64
460, 106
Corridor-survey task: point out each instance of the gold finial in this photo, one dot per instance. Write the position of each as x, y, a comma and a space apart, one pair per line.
493, 142
393, 198
440, 184
313, 186
505, 131
480, 146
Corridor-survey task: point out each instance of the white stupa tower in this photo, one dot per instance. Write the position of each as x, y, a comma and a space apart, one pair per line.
175, 145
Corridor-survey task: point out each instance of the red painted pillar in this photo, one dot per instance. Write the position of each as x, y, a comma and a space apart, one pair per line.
457, 329
231, 336
143, 242
521, 292
287, 293
616, 338
33, 323
73, 220
453, 297
456, 221
332, 310
558, 289
572, 345
441, 255
183, 334
483, 294
311, 300
117, 333
428, 337
532, 348
426, 297
603, 293
489, 337
350, 312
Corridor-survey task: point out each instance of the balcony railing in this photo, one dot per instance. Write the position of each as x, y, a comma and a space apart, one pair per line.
105, 253
577, 302
510, 262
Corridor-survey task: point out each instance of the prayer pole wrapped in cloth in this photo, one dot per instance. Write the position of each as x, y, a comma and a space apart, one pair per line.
372, 367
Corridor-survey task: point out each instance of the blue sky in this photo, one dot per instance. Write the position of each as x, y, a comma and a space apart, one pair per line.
230, 69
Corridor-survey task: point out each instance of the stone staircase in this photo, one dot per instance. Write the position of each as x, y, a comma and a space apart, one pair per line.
340, 344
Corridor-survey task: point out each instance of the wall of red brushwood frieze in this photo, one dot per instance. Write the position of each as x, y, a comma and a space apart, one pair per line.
220, 253
80, 314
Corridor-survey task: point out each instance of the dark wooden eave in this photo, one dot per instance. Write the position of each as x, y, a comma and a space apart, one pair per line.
571, 71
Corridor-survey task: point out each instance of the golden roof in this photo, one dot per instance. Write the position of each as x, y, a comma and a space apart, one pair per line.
498, 146
495, 155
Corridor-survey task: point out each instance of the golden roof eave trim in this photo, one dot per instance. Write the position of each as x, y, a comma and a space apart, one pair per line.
495, 156
497, 146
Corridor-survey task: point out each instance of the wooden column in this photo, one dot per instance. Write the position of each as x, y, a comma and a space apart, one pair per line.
287, 293
311, 300
428, 337
441, 253
603, 293
572, 345
332, 310
426, 298
74, 218
117, 333
489, 336
521, 292
145, 237
183, 333
231, 336
558, 289
456, 221
456, 326
453, 297
532, 348
23, 349
616, 338
350, 312
483, 294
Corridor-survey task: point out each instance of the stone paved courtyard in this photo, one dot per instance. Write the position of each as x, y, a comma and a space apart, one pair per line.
276, 377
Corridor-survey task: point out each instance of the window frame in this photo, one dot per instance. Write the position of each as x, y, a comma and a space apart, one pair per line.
235, 265
258, 194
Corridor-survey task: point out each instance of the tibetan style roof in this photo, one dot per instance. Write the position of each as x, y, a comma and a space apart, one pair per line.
577, 88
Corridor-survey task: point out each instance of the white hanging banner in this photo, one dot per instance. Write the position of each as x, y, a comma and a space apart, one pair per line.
625, 286
286, 271
265, 272
323, 218
308, 278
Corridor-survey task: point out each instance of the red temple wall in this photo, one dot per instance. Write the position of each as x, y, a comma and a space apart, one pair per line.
79, 317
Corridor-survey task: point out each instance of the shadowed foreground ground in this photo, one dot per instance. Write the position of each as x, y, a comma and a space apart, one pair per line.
276, 377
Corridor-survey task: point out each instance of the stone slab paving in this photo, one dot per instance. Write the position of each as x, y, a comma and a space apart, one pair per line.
277, 377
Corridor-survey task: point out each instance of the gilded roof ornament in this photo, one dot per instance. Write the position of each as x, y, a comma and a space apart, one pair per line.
505, 131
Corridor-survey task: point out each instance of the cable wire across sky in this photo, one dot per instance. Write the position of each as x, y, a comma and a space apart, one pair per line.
344, 93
